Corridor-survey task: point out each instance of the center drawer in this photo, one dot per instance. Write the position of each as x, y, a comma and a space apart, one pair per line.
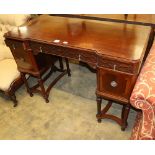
68, 52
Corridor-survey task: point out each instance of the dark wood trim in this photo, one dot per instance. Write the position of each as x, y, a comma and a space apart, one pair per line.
16, 84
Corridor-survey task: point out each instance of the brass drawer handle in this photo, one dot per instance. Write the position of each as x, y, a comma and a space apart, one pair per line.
113, 84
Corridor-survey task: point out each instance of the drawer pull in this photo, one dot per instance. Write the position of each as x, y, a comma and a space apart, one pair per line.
13, 46
41, 49
114, 67
79, 57
113, 84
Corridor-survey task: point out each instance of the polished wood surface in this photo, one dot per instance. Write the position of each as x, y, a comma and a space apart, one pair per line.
141, 18
112, 39
147, 18
133, 19
138, 19
115, 50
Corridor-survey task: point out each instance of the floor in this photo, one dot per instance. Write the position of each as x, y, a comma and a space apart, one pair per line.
69, 115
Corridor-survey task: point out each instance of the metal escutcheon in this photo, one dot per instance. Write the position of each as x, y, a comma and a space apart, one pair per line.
113, 84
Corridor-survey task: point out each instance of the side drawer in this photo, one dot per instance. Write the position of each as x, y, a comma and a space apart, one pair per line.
117, 65
53, 49
115, 83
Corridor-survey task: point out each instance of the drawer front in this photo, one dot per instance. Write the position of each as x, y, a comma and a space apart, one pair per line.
53, 49
115, 83
77, 54
117, 65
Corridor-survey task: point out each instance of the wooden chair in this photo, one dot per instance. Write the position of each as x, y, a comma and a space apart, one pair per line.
10, 79
36, 66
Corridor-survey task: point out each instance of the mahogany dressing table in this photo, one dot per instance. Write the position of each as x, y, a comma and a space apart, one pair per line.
115, 50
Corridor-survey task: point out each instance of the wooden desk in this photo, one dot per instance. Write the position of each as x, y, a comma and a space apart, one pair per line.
115, 50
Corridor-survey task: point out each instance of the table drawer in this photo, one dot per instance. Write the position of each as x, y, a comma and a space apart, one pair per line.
115, 83
117, 65
53, 49
73, 53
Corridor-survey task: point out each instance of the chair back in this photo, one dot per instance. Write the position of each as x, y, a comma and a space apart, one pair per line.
26, 61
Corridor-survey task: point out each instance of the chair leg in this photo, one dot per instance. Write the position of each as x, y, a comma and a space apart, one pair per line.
67, 65
26, 84
13, 98
41, 84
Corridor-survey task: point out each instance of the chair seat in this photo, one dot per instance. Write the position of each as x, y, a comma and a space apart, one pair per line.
8, 73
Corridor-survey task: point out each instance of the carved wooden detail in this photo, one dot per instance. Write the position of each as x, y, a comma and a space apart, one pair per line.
68, 52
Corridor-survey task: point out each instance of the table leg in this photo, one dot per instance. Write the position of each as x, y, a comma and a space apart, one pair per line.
102, 113
125, 113
99, 101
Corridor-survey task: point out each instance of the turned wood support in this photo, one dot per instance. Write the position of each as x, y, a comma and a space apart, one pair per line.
125, 113
102, 113
99, 102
